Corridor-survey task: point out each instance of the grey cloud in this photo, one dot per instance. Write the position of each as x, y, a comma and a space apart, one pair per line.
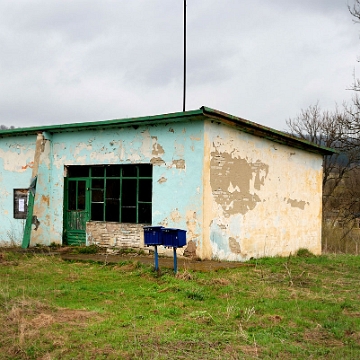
77, 60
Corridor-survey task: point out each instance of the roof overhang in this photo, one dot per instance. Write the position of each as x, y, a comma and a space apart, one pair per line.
194, 115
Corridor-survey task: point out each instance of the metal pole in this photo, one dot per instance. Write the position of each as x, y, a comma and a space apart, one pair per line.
184, 90
156, 256
175, 261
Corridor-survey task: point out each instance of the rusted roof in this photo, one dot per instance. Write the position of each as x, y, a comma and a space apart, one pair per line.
194, 115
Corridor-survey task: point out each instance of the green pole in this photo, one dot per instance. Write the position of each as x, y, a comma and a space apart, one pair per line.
28, 223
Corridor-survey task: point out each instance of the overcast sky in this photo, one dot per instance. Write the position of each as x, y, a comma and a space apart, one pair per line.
85, 60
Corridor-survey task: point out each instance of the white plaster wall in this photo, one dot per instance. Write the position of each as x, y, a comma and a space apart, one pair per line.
261, 198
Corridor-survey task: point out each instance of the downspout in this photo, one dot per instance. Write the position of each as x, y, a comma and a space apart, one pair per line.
32, 190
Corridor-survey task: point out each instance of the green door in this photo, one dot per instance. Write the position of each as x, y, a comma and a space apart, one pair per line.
76, 210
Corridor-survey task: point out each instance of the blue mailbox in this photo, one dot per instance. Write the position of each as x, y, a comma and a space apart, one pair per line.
174, 237
153, 235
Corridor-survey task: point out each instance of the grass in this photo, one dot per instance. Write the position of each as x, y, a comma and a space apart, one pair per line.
290, 308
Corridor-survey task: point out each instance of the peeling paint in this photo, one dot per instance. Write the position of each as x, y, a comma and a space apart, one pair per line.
175, 216
247, 197
192, 223
157, 161
190, 250
45, 199
231, 179
234, 246
296, 203
179, 164
157, 149
162, 180
29, 165
13, 159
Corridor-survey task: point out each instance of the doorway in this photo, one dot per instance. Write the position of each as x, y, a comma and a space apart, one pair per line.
76, 210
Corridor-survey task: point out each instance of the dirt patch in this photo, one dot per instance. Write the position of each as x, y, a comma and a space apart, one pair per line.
166, 262
320, 335
183, 263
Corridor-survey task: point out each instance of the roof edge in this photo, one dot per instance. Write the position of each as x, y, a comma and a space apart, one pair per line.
267, 132
177, 116
240, 123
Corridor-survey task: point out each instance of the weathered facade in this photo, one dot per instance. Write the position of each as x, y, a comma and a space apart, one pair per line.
239, 189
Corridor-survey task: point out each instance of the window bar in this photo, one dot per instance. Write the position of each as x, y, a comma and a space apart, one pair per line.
104, 198
137, 194
76, 193
121, 197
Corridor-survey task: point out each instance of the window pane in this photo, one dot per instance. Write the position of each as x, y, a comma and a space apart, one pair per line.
128, 214
112, 210
97, 183
72, 195
81, 195
145, 190
129, 171
97, 211
113, 171
78, 171
97, 196
113, 188
145, 170
145, 213
97, 171
129, 192
97, 193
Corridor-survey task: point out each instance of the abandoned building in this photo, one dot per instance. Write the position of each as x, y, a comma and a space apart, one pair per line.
239, 189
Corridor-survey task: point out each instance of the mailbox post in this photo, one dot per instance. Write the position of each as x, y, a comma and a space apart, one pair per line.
153, 237
168, 237
174, 238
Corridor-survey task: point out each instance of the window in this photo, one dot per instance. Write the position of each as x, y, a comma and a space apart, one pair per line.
20, 203
121, 193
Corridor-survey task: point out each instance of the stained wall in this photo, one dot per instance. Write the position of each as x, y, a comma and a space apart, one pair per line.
261, 198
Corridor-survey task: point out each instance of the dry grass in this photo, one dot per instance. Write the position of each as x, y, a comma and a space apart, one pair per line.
31, 321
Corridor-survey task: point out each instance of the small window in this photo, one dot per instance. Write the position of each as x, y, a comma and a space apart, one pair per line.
20, 203
77, 171
97, 171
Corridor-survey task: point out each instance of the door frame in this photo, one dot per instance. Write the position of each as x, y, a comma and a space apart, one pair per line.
76, 236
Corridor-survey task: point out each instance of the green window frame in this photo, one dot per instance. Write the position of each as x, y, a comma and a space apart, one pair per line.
118, 193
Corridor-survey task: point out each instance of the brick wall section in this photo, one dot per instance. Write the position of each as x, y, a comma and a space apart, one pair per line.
113, 234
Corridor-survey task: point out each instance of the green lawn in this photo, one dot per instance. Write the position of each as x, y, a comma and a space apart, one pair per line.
289, 308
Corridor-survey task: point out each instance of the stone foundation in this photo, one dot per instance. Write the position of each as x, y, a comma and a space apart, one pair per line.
114, 234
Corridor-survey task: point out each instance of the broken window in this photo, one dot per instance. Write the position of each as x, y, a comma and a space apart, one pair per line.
20, 203
121, 193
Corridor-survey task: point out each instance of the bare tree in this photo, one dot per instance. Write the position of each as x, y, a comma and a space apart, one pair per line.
341, 193
334, 130
355, 12
4, 127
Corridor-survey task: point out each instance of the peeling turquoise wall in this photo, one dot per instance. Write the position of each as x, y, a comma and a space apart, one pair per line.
175, 150
16, 156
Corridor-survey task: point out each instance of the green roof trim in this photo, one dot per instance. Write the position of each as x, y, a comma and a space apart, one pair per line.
201, 114
90, 125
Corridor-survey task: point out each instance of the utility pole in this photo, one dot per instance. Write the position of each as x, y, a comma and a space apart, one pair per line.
184, 90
